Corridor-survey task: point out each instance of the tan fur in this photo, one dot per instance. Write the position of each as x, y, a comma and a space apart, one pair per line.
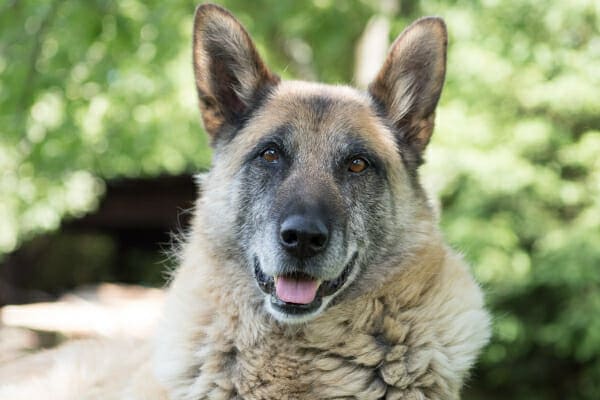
413, 337
410, 328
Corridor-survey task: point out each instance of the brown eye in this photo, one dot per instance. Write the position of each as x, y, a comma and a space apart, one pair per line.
358, 165
270, 155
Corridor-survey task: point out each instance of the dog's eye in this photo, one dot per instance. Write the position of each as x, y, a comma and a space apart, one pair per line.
358, 165
270, 155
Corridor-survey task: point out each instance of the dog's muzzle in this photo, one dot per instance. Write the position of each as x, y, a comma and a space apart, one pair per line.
298, 293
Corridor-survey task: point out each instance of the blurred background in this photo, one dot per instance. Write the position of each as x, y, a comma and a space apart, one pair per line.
100, 133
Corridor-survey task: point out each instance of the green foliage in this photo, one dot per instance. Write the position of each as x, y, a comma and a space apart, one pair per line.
516, 159
98, 89
89, 90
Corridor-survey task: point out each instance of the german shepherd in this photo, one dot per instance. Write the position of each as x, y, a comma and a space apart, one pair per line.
314, 268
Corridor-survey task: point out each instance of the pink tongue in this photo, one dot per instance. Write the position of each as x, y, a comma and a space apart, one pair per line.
296, 291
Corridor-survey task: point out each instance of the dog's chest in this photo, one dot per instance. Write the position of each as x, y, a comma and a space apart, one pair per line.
344, 365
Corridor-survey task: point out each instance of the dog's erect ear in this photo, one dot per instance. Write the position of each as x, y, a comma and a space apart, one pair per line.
230, 76
410, 82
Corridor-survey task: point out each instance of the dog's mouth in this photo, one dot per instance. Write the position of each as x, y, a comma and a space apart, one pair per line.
300, 293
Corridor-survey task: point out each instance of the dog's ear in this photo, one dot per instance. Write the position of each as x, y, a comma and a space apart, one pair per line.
410, 81
230, 74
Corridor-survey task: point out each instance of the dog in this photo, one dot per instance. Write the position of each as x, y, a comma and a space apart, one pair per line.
314, 267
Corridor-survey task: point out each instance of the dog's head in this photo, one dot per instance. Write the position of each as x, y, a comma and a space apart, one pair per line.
314, 188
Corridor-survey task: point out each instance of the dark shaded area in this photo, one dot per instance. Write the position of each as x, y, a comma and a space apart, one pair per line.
126, 240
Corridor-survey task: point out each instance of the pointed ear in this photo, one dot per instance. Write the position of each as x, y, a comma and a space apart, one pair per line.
409, 84
230, 75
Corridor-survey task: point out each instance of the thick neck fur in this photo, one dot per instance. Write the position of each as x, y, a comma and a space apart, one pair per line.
414, 337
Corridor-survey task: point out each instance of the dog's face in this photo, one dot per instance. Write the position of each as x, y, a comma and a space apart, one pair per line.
318, 183
315, 193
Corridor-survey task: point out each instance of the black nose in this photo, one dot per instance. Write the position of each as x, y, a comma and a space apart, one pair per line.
303, 236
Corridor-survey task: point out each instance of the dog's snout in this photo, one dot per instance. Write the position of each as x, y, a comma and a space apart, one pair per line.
303, 236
